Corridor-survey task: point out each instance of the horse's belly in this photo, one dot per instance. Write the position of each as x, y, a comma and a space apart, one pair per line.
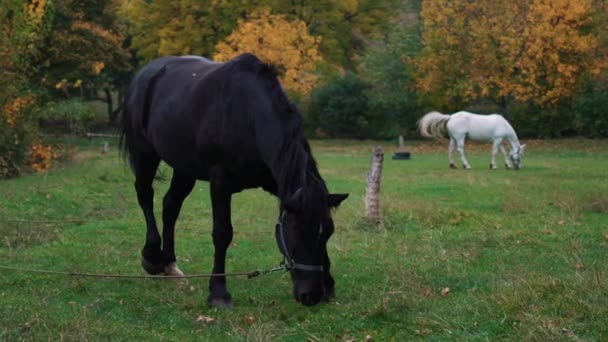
479, 136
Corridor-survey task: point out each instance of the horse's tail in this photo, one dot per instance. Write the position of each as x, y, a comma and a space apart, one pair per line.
433, 125
136, 106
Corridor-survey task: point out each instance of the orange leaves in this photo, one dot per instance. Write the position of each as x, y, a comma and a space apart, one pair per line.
97, 67
529, 50
12, 109
278, 41
41, 157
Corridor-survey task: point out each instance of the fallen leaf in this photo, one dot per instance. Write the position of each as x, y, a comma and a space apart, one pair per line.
606, 237
445, 292
368, 338
204, 319
423, 331
579, 266
250, 319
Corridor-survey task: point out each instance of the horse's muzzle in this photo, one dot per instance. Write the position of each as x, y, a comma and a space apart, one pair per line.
308, 298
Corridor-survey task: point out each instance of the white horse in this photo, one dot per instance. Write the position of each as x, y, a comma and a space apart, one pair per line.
463, 124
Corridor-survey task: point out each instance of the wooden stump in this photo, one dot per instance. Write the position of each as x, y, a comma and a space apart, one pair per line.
372, 196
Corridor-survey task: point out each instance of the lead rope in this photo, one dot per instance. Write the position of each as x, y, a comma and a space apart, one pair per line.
249, 275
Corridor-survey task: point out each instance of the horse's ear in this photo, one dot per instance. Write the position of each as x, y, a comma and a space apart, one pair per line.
334, 200
294, 202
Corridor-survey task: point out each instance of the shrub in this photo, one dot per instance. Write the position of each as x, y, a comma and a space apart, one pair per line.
591, 109
16, 132
341, 108
72, 115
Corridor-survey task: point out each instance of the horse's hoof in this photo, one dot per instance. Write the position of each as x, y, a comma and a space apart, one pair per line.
152, 268
328, 296
493, 167
220, 302
172, 270
507, 166
453, 166
466, 167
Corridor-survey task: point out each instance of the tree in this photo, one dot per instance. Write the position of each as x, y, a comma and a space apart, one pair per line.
347, 26
85, 51
387, 67
168, 27
523, 50
23, 27
341, 109
277, 41
182, 27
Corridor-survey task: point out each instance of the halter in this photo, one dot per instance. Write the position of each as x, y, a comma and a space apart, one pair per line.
288, 263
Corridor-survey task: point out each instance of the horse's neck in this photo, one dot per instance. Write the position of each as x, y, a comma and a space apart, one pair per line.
290, 169
513, 141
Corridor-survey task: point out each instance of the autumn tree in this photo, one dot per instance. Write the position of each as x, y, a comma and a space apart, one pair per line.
347, 26
85, 51
23, 26
508, 50
274, 39
182, 27
178, 27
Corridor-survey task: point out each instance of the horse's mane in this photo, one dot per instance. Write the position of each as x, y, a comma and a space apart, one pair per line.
294, 166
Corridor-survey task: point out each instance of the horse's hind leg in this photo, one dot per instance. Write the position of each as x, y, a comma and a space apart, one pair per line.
451, 149
145, 166
180, 188
460, 148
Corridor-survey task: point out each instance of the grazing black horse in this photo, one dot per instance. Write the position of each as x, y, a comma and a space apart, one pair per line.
230, 124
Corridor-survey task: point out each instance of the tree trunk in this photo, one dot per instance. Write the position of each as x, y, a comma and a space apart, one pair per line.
372, 196
109, 103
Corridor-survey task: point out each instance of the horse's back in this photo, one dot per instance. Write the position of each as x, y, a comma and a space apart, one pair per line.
199, 114
477, 126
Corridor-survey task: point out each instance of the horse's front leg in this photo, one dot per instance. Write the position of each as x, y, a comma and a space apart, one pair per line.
180, 188
495, 145
222, 236
506, 155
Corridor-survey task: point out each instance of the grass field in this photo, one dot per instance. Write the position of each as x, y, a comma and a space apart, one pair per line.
524, 254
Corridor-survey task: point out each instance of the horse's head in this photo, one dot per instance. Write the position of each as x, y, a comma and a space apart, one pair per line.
304, 227
517, 155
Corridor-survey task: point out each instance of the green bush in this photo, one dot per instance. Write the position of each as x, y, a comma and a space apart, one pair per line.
13, 149
592, 110
73, 115
341, 108
16, 134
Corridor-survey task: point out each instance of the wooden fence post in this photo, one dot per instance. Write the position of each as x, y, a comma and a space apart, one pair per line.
372, 196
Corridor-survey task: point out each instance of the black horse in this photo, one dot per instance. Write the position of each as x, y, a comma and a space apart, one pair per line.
230, 124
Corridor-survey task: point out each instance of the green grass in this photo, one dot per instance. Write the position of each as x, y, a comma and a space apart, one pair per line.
524, 254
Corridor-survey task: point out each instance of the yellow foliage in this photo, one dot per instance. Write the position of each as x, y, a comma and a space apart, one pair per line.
36, 10
12, 109
99, 31
97, 67
62, 84
531, 50
277, 41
